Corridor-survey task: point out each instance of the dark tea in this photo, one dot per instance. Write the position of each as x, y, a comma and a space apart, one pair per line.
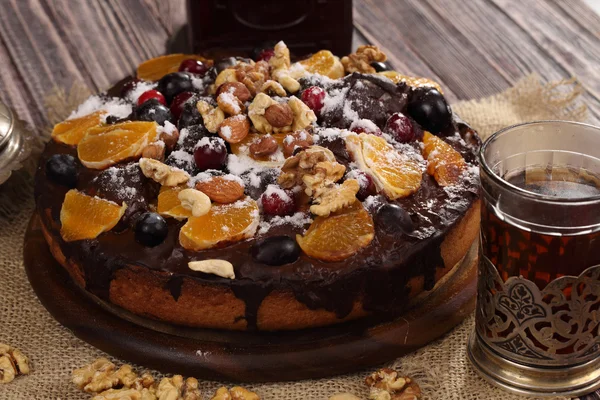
538, 289
543, 257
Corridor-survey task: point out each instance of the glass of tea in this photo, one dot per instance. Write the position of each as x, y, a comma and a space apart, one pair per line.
538, 296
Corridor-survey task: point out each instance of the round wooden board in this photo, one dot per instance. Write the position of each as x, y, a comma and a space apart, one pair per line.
245, 356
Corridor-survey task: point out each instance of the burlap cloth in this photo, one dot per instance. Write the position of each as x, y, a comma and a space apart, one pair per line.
442, 368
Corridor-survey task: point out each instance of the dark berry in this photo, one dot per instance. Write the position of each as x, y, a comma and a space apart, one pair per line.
276, 201
314, 98
152, 110
429, 108
210, 153
151, 229
380, 66
361, 127
265, 55
400, 128
178, 103
129, 86
172, 84
367, 187
193, 67
393, 219
276, 250
189, 116
151, 94
62, 169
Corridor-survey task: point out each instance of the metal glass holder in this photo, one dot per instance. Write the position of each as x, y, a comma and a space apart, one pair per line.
14, 145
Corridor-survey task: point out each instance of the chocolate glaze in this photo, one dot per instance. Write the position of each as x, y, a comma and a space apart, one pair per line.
377, 275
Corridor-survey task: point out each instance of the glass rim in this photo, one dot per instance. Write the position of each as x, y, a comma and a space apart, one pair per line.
526, 193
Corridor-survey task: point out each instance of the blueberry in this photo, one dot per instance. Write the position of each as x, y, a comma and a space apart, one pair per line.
276, 250
189, 116
62, 169
393, 219
152, 110
172, 84
380, 66
151, 229
429, 108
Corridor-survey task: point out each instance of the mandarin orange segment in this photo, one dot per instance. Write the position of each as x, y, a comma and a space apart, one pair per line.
155, 68
394, 174
104, 146
413, 81
73, 130
338, 236
443, 162
85, 217
325, 63
169, 204
224, 223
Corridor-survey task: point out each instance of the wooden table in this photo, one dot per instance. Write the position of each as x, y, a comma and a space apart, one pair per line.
474, 48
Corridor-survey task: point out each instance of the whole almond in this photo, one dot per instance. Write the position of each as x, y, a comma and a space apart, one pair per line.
279, 115
237, 89
230, 104
235, 129
264, 146
221, 189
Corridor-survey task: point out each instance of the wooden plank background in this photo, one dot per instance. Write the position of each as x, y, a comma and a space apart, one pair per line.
474, 48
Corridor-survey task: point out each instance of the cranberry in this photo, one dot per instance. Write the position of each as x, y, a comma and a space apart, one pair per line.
429, 108
129, 86
276, 250
367, 127
276, 201
193, 67
178, 103
151, 94
393, 219
210, 153
314, 97
367, 187
265, 55
400, 127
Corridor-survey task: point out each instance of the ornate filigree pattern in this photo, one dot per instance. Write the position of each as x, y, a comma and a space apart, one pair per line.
556, 326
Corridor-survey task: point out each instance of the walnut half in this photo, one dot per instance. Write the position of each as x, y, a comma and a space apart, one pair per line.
362, 59
12, 363
387, 383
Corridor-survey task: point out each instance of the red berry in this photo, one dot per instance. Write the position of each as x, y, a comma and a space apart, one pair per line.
193, 67
367, 187
276, 201
400, 127
151, 94
365, 126
210, 153
265, 55
178, 103
314, 98
129, 86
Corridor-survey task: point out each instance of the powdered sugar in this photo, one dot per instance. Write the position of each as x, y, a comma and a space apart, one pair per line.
279, 192
209, 142
297, 220
167, 128
139, 88
110, 106
231, 101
